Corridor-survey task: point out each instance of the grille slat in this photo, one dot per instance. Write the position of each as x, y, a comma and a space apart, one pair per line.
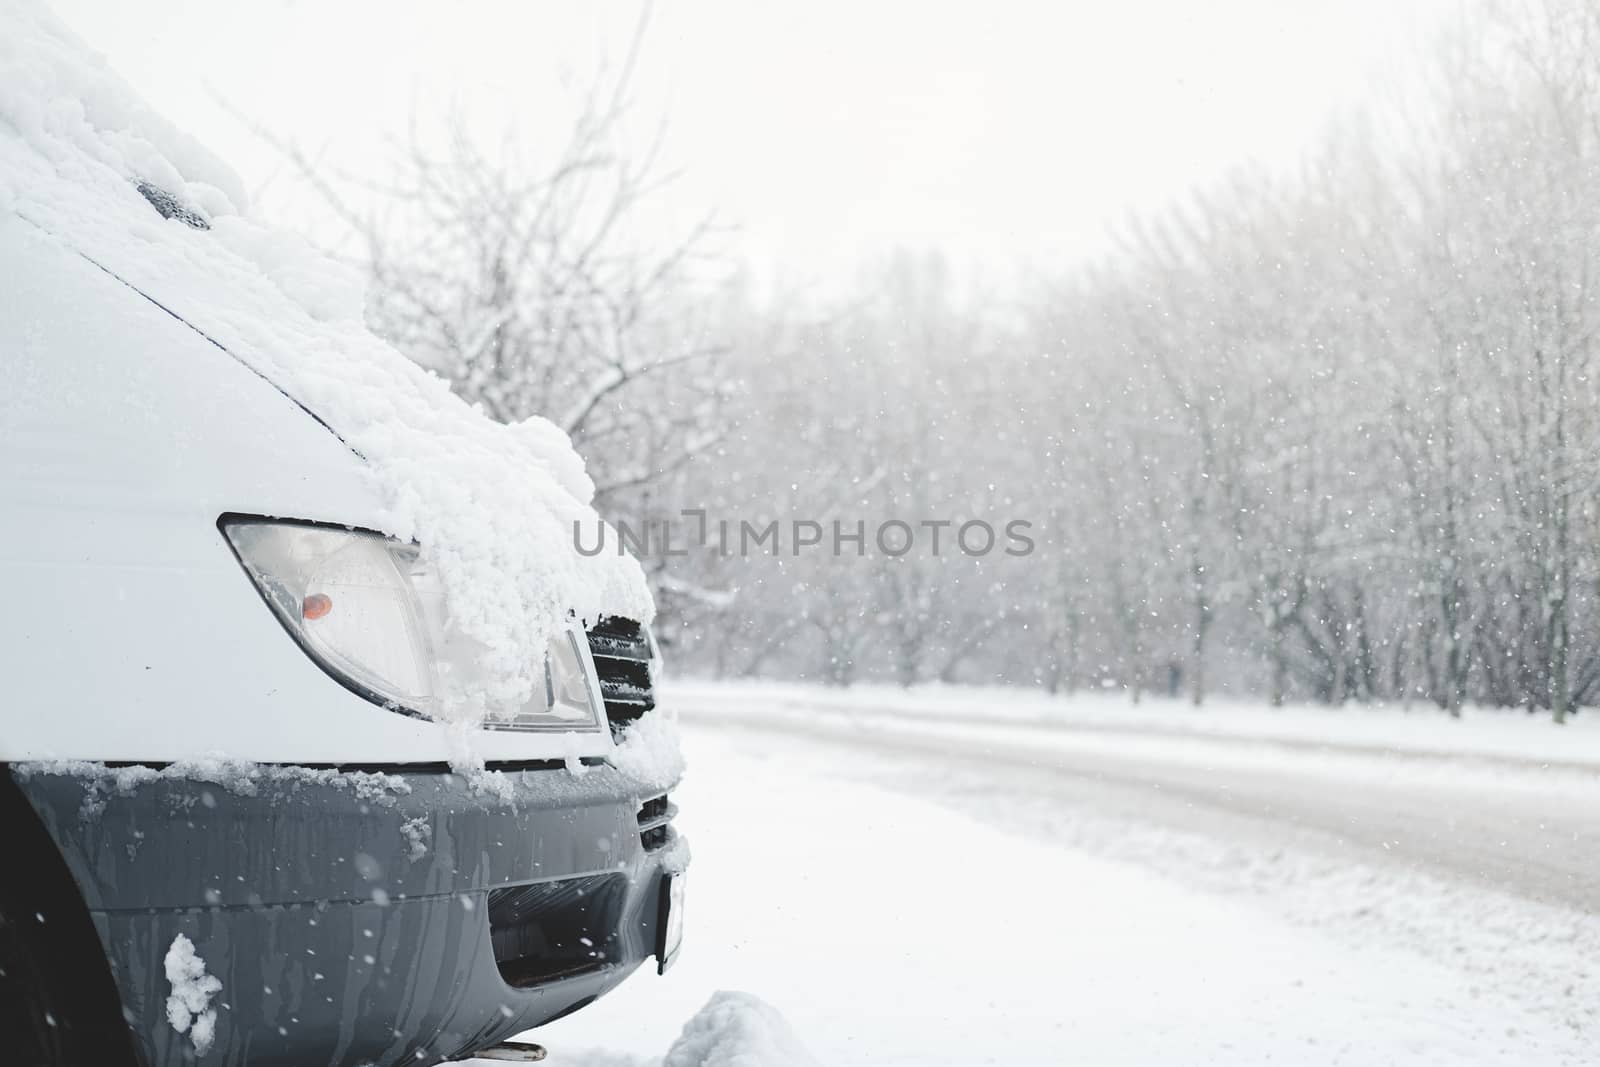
654, 815
665, 814
618, 646
622, 662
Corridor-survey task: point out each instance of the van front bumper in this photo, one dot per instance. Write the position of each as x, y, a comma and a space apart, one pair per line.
362, 918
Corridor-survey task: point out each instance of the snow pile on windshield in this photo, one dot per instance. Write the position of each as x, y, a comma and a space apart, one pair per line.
493, 506
188, 1007
737, 1030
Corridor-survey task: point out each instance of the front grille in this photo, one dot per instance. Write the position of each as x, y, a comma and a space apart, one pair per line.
622, 660
654, 815
553, 930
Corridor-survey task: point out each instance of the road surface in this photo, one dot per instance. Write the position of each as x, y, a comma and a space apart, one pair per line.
1516, 828
965, 892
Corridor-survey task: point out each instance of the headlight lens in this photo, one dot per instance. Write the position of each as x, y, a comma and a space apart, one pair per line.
371, 612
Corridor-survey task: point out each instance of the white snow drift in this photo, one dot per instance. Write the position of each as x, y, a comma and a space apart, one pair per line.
737, 1030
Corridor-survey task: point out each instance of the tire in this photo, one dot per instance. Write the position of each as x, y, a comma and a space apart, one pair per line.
58, 1004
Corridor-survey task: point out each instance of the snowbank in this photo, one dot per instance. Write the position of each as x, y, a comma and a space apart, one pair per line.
493, 506
1481, 734
737, 1030
732, 1030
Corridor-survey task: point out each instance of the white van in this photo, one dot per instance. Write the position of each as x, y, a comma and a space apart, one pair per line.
295, 766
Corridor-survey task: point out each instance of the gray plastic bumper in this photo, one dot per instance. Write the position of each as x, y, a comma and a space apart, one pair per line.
348, 916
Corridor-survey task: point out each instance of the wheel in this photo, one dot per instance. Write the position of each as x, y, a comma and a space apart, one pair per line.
29, 1029
58, 1004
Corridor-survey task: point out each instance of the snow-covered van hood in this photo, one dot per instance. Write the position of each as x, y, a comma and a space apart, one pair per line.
492, 505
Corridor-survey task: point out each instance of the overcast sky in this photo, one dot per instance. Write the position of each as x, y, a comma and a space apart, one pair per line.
1000, 132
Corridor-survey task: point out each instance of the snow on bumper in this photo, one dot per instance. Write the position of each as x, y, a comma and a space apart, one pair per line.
406, 924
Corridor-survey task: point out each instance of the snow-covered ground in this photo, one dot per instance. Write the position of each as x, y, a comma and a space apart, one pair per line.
908, 892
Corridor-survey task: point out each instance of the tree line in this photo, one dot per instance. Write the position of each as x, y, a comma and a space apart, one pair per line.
1321, 433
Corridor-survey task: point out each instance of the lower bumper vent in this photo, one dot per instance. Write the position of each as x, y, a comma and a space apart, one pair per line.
553, 930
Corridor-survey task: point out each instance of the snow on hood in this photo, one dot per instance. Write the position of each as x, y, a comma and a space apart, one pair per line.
492, 505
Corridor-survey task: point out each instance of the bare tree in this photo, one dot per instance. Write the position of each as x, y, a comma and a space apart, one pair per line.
533, 277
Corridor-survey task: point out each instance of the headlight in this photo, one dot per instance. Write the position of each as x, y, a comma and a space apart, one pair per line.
371, 612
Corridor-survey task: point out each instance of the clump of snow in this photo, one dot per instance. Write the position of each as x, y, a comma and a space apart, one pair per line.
492, 506
674, 859
189, 1005
737, 1030
732, 1030
573, 753
417, 833
650, 752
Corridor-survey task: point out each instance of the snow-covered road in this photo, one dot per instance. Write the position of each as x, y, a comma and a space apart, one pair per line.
1532, 833
1051, 895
